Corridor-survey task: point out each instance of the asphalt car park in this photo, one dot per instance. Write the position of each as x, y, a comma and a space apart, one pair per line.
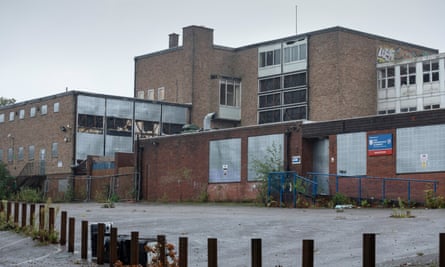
337, 236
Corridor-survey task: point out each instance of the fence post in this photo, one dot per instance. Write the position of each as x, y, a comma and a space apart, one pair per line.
24, 212
8, 211
113, 246
409, 191
51, 220
63, 229
71, 226
212, 250
41, 217
16, 213
183, 251
134, 249
442, 250
161, 243
100, 242
368, 250
256, 253
1, 206
308, 253
32, 214
84, 242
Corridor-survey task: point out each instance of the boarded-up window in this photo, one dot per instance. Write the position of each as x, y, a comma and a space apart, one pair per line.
264, 149
225, 161
351, 154
421, 149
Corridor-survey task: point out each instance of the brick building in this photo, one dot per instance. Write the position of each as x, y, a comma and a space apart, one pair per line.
322, 75
375, 157
53, 136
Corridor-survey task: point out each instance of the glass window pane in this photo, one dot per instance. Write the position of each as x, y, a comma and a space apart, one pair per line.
222, 93
302, 52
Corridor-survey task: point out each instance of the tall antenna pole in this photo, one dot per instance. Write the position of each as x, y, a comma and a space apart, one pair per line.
296, 19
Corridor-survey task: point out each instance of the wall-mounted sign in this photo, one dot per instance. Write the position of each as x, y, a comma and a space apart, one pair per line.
380, 144
296, 159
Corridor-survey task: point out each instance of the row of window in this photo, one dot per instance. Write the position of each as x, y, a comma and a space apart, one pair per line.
282, 114
291, 53
409, 109
20, 156
123, 127
430, 70
43, 109
151, 94
282, 82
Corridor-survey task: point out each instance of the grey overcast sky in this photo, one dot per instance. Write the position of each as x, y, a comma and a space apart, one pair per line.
90, 45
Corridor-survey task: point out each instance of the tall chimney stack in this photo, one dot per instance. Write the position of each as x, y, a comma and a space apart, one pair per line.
173, 40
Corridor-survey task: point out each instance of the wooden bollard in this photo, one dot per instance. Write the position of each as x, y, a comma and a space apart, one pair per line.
442, 250
84, 240
212, 252
71, 228
51, 220
113, 246
308, 253
24, 212
16, 213
162, 255
100, 243
368, 250
134, 249
41, 217
63, 228
32, 214
183, 251
256, 253
8, 211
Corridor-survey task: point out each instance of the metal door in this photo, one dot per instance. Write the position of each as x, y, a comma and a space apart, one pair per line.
321, 165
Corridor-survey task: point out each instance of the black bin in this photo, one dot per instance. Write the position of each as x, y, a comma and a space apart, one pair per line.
94, 229
124, 249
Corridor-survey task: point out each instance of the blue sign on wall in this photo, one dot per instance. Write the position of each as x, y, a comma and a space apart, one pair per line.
379, 144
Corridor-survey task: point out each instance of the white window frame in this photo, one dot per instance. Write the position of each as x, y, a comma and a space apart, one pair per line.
161, 93
11, 115
151, 94
32, 112
56, 107
44, 109
140, 94
21, 114
2, 118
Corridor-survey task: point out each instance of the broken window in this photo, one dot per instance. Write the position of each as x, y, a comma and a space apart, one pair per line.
90, 124
119, 126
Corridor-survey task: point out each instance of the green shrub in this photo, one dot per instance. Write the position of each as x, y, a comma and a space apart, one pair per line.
29, 195
432, 201
7, 182
340, 199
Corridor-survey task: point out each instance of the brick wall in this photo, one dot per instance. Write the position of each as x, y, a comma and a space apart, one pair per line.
176, 168
40, 131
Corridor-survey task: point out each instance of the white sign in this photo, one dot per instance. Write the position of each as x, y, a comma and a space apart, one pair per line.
296, 160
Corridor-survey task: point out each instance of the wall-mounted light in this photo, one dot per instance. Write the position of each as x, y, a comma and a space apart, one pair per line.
62, 128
